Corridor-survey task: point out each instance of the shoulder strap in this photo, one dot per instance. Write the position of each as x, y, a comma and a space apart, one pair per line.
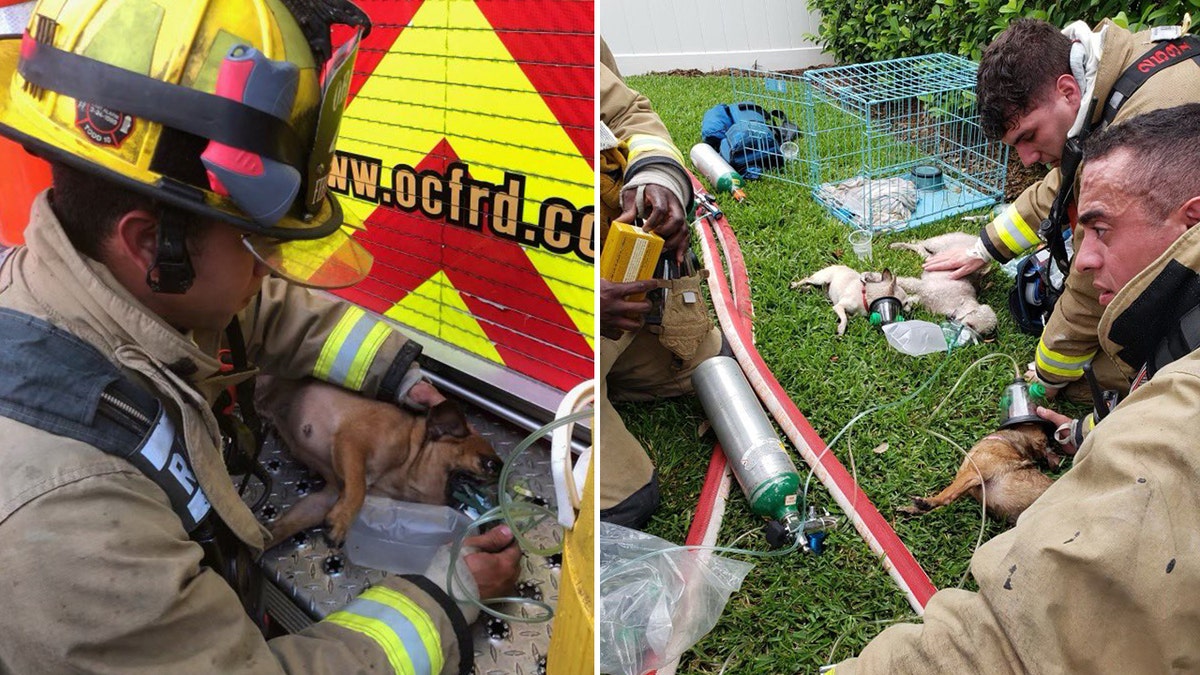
1160, 56
1182, 340
56, 382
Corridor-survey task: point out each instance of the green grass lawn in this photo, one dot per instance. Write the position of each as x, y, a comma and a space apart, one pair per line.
798, 612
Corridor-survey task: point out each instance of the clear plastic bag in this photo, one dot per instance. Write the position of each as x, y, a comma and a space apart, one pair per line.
401, 537
655, 607
916, 338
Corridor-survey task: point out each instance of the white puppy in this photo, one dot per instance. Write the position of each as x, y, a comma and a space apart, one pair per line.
938, 293
852, 293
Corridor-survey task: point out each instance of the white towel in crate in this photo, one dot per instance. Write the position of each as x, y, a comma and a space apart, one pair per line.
887, 202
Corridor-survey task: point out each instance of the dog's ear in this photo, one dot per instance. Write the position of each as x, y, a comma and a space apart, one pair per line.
887, 274
446, 419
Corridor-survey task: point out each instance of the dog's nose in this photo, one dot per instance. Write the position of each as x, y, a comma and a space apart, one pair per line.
492, 465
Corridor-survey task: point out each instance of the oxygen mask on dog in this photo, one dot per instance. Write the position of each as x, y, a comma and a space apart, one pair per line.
1019, 405
886, 310
959, 334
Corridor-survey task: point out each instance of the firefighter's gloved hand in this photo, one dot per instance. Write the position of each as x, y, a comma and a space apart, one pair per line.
488, 568
661, 211
960, 262
416, 392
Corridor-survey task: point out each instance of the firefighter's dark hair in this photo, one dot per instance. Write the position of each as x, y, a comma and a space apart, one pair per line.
1164, 173
89, 206
1017, 71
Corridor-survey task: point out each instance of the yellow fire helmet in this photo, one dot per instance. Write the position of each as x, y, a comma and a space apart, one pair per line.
123, 88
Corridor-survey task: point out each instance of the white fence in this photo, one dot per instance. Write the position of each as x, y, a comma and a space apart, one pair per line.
658, 35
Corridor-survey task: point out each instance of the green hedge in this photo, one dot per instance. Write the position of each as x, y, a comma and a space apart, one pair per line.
862, 31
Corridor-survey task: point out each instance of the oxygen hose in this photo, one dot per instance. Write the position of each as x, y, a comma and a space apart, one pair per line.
875, 530
517, 515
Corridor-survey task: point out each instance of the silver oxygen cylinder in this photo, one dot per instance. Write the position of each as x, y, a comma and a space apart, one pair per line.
762, 466
718, 172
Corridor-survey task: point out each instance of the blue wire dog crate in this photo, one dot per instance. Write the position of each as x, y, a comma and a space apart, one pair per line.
884, 146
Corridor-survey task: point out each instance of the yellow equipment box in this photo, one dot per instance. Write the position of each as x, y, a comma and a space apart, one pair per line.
629, 254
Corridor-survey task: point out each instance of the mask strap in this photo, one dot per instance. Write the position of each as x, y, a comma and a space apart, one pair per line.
171, 260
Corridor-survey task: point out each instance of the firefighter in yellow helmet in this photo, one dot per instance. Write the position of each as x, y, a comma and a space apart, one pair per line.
190, 144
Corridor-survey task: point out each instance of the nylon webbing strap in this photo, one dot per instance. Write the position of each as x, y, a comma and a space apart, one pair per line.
1160, 56
206, 115
62, 385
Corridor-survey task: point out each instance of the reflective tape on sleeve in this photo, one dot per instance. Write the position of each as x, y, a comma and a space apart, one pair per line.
1062, 365
643, 143
399, 626
1014, 232
350, 349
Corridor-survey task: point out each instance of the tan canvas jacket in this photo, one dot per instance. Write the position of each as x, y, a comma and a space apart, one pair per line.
651, 156
1099, 575
99, 574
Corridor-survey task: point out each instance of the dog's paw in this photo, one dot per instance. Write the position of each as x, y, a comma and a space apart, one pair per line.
339, 522
919, 506
800, 285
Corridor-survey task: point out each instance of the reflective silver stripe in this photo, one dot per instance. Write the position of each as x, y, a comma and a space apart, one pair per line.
1015, 232
1061, 364
348, 350
158, 447
401, 626
640, 143
14, 18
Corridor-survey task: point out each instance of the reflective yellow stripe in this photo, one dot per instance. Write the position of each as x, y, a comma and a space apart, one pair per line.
1069, 367
366, 354
1016, 234
382, 634
350, 349
401, 628
643, 143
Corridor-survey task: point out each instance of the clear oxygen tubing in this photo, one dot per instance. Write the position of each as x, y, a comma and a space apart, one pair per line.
874, 409
912, 395
511, 513
871, 525
982, 487
978, 541
987, 358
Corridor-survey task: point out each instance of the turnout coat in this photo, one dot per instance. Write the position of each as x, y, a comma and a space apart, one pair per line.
98, 571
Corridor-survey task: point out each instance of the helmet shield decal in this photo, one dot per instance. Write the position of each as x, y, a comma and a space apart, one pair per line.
334, 90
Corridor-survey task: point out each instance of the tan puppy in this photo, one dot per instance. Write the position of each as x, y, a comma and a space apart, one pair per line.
938, 293
852, 293
1006, 463
359, 445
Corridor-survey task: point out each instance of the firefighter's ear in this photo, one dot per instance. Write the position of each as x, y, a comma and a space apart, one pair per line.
1191, 211
134, 242
1068, 87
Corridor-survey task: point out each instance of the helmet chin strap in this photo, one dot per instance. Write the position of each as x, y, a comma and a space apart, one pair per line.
171, 261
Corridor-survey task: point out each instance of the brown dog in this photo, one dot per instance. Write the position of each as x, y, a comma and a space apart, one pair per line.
359, 445
1005, 462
